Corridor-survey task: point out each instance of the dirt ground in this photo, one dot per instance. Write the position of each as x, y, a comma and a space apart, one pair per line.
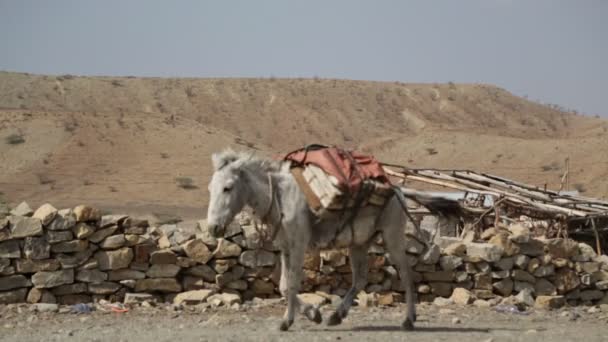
259, 322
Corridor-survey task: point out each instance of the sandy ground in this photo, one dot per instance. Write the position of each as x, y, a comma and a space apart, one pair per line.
260, 323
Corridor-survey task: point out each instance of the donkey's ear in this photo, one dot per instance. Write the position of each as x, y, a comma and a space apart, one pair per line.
222, 159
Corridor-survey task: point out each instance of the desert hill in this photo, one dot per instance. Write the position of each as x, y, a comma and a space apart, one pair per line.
143, 144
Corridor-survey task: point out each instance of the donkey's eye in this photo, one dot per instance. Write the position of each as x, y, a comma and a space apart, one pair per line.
227, 189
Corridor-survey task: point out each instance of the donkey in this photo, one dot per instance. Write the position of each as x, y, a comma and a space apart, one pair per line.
268, 187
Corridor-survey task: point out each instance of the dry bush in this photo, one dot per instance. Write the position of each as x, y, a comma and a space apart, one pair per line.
186, 183
15, 139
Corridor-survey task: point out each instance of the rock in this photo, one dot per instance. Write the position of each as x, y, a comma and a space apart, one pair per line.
133, 239
483, 281
91, 276
85, 213
22, 227
449, 262
562, 248
523, 276
566, 280
227, 249
179, 237
261, 287
74, 299
525, 297
544, 271
257, 258
10, 249
164, 242
312, 260
519, 233
13, 282
431, 256
488, 233
204, 234
367, 300
533, 264
460, 277
585, 252
193, 283
163, 271
484, 251
138, 298
543, 287
521, 261
234, 228
101, 234
443, 276
125, 274
480, 303
158, 284
590, 295
103, 288
483, 267
70, 246
112, 220
238, 284
532, 248
504, 287
129, 283
312, 299
45, 279
203, 271
413, 246
500, 274
441, 289
456, 249
46, 213
483, 294
602, 285
387, 299
163, 256
502, 241
77, 259
424, 289
505, 264
335, 258
440, 301
590, 267
36, 248
192, 297
223, 265
227, 299
113, 242
252, 237
197, 250
462, 296
11, 297
456, 320
114, 260
63, 221
46, 307
70, 289
549, 302
559, 263
59, 236
23, 209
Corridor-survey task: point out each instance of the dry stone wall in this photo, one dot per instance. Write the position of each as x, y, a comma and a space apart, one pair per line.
77, 255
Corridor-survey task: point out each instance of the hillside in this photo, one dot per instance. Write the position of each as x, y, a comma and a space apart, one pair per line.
123, 142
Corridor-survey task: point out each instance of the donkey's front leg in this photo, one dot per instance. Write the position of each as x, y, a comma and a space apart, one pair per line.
358, 261
295, 261
311, 312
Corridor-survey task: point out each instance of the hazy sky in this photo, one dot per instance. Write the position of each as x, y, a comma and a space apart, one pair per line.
551, 50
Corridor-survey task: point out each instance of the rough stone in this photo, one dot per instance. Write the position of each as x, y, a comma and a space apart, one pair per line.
602, 285
590, 295
483, 281
197, 250
456, 249
227, 249
441, 276
566, 280
23, 209
462, 296
46, 279
431, 256
203, 271
257, 258
450, 263
163, 271
138, 298
114, 260
502, 240
204, 234
70, 246
424, 289
125, 274
440, 301
46, 213
101, 234
103, 288
500, 274
10, 249
59, 236
413, 246
158, 284
227, 299
441, 289
13, 282
91, 276
562, 248
519, 233
312, 299
488, 233
14, 296
544, 271
549, 302
113, 242
111, 220
505, 264
74, 299
63, 221
22, 227
70, 289
525, 297
192, 297
85, 213
585, 252
521, 275
559, 262
36, 248
484, 251
521, 261
77, 259
589, 267
261, 287
532, 248
504, 287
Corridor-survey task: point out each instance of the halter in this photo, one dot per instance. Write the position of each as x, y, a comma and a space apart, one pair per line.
266, 217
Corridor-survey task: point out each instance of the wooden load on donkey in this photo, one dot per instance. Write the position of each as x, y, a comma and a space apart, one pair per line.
334, 179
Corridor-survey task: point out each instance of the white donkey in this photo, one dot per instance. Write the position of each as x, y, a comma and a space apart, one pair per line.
268, 187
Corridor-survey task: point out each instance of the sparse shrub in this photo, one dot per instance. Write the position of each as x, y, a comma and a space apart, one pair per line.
186, 183
112, 189
15, 139
431, 151
70, 126
44, 179
117, 83
87, 182
164, 155
551, 167
190, 92
579, 187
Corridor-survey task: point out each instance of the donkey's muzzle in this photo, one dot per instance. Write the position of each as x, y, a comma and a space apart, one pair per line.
215, 230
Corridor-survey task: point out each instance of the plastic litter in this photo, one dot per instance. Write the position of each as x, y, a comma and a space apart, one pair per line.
81, 308
512, 309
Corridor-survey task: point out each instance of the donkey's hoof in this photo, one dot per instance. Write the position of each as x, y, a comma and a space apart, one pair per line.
314, 315
285, 325
407, 325
334, 319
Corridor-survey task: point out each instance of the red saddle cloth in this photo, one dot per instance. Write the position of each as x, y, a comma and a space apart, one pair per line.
350, 168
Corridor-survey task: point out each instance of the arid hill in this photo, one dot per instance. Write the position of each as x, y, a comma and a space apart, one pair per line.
143, 144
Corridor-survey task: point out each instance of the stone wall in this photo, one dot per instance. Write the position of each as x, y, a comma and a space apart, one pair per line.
77, 255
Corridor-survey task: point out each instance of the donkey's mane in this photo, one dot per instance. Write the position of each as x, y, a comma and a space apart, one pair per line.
245, 160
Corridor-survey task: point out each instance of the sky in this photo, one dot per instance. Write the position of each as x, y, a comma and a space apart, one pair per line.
552, 51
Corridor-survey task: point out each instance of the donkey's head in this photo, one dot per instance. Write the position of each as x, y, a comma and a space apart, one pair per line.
228, 191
